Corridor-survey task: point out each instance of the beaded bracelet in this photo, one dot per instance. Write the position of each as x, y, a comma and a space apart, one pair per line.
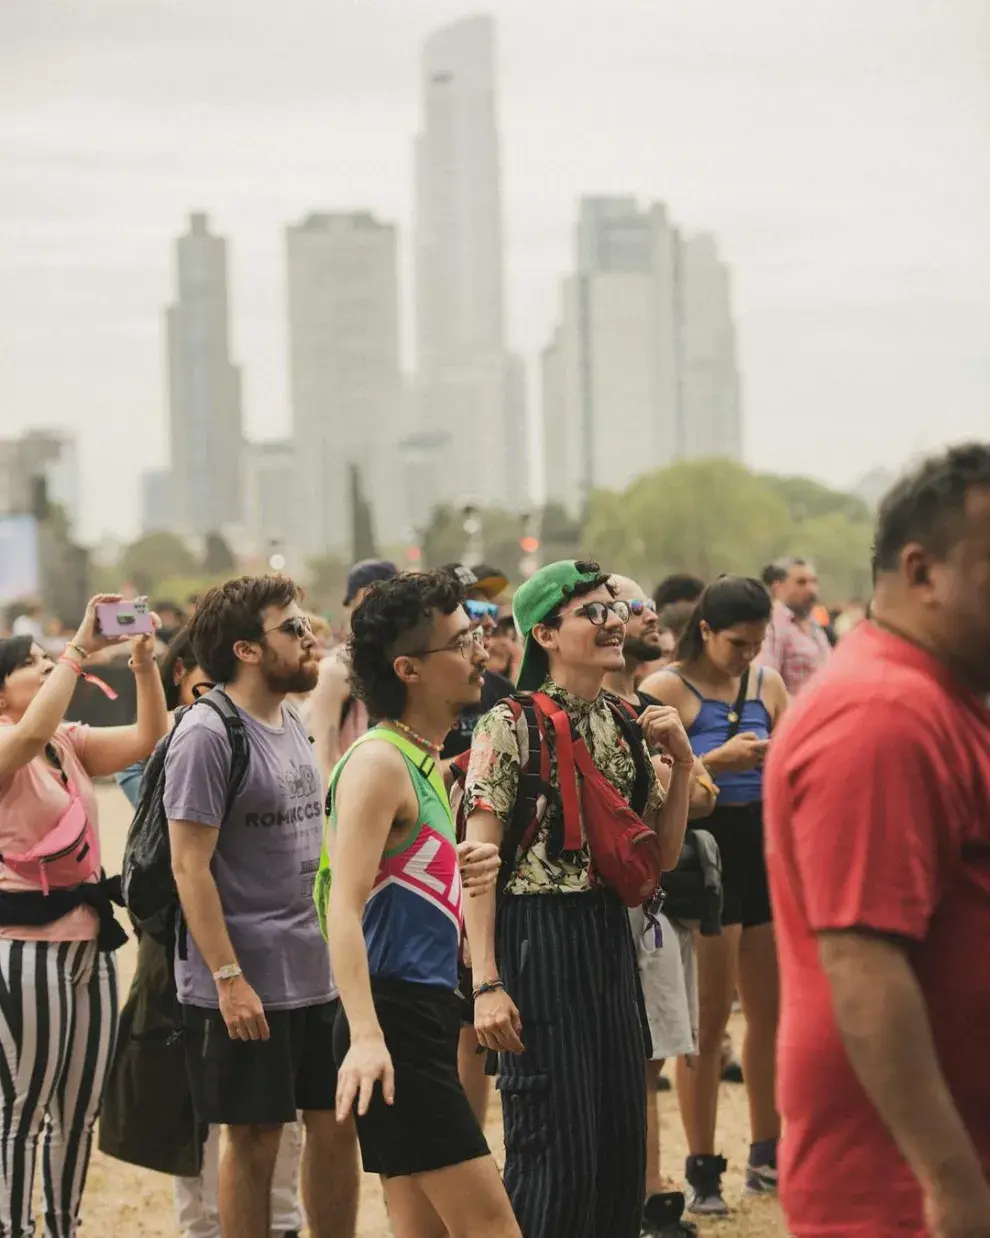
490, 986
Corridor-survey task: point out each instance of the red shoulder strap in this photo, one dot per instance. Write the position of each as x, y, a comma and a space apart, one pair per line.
566, 769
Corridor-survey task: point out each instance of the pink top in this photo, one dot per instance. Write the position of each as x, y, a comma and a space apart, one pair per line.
32, 801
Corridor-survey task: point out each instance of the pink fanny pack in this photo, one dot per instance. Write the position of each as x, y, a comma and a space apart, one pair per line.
66, 857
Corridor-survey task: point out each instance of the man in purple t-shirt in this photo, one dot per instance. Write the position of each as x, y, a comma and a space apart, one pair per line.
257, 995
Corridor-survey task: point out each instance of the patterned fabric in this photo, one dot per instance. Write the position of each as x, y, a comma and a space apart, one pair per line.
796, 653
493, 779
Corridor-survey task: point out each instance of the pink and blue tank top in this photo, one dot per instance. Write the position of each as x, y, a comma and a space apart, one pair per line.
414, 914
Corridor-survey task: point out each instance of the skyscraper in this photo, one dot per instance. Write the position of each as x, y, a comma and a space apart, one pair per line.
204, 388
346, 384
641, 370
710, 398
468, 388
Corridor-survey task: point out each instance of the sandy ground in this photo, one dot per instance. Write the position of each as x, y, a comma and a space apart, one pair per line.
124, 1202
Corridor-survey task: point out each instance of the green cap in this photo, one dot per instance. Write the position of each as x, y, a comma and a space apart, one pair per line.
534, 601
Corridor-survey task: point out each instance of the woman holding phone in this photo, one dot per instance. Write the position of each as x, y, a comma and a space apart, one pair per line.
729, 709
58, 1002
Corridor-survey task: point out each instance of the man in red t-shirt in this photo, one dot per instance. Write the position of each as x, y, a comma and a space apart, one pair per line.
878, 837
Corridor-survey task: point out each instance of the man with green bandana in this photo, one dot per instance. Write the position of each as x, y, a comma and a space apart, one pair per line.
555, 978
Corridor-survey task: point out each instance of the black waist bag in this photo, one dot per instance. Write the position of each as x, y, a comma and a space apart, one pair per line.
693, 890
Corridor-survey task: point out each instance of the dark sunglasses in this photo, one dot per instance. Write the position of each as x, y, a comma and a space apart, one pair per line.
478, 611
597, 612
297, 626
637, 606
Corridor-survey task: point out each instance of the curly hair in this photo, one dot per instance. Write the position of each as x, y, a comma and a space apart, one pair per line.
927, 505
395, 617
232, 612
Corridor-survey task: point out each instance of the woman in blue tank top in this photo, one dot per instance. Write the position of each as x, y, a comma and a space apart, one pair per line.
729, 707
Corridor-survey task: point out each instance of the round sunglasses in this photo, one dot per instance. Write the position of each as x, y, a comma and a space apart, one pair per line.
598, 612
639, 606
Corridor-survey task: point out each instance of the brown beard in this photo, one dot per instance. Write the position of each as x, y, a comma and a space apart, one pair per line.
285, 682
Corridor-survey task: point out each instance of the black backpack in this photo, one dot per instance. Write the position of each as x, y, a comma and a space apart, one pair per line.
146, 873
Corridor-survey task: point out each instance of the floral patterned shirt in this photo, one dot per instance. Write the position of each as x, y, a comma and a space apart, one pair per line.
493, 780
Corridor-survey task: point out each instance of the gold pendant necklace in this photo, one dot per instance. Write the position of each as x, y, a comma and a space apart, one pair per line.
415, 736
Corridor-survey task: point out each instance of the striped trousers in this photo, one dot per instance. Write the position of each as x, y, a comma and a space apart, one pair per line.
574, 1104
58, 1027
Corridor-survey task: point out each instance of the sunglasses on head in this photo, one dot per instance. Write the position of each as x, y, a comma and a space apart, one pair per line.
597, 612
298, 626
638, 605
477, 611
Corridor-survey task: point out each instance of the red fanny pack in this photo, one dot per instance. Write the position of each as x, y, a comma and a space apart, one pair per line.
626, 855
66, 857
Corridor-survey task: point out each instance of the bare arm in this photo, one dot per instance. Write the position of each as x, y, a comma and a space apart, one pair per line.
371, 795
110, 749
193, 846
881, 1015
479, 912
26, 739
326, 707
669, 819
703, 793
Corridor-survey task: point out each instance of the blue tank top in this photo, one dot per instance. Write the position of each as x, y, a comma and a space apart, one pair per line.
710, 730
414, 914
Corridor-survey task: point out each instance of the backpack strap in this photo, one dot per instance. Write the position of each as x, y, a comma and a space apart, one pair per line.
627, 721
224, 707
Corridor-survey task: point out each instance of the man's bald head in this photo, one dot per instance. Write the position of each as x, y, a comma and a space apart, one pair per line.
643, 642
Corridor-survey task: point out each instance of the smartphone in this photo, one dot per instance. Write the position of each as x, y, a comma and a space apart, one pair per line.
124, 618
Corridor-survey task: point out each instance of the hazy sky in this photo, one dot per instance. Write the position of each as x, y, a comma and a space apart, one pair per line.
839, 149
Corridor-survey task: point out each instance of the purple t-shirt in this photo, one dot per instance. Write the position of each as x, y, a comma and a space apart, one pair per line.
266, 857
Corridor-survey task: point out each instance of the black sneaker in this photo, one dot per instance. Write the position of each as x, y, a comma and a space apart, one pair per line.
704, 1177
664, 1084
732, 1072
663, 1217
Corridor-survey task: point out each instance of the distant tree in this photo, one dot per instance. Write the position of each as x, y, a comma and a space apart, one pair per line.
443, 539
807, 499
152, 558
218, 558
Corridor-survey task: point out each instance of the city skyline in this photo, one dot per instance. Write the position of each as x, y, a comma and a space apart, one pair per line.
848, 191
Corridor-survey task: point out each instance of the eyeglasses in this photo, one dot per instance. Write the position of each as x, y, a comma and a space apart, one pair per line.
467, 645
638, 605
478, 611
597, 612
298, 626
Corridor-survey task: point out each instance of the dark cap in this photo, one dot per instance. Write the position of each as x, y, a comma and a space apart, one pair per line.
366, 573
484, 578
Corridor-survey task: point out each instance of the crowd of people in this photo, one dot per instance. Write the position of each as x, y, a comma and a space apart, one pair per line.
552, 847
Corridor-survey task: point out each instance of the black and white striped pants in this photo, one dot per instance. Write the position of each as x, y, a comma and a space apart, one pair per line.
574, 1104
58, 1028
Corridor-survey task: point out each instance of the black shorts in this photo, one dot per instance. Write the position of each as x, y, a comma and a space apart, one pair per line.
261, 1082
738, 830
431, 1124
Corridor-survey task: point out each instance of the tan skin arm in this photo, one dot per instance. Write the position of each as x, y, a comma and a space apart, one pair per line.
883, 1022
326, 708
193, 846
109, 749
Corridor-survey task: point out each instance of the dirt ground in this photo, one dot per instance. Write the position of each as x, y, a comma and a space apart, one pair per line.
124, 1202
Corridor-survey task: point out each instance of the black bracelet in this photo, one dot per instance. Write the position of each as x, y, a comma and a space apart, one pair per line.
490, 986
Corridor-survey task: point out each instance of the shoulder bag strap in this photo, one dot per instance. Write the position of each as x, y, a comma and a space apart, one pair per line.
735, 717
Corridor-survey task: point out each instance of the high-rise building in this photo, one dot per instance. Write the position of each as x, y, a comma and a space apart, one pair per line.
467, 388
156, 501
41, 464
271, 497
711, 422
641, 370
205, 429
345, 377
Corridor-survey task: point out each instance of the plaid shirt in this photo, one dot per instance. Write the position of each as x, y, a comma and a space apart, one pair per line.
792, 650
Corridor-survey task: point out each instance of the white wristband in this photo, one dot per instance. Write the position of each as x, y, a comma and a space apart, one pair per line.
229, 971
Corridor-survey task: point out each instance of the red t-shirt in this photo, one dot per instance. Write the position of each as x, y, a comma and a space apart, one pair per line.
877, 812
